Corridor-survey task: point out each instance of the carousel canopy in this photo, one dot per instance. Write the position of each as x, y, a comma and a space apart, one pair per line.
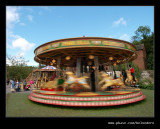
49, 67
71, 48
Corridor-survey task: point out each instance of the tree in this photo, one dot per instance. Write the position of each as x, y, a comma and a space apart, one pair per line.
143, 32
143, 35
16, 60
149, 50
16, 68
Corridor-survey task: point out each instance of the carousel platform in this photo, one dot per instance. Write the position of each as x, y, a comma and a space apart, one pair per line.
113, 97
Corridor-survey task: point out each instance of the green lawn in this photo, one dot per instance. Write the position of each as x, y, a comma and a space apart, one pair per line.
18, 105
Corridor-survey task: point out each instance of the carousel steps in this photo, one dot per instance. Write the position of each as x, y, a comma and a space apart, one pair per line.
86, 99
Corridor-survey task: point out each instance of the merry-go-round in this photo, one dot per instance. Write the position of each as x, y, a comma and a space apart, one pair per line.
84, 75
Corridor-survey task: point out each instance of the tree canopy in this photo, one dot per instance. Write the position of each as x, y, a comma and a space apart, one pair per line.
143, 35
16, 68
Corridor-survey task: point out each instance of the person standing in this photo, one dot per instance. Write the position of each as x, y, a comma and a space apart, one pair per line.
24, 83
17, 86
12, 85
132, 72
124, 74
115, 75
92, 77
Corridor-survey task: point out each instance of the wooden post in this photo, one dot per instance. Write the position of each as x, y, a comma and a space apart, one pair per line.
78, 67
39, 65
82, 70
120, 67
85, 68
111, 70
58, 66
96, 64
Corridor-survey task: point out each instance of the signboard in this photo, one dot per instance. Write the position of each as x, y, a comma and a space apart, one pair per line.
82, 42
55, 45
68, 43
96, 43
111, 43
45, 47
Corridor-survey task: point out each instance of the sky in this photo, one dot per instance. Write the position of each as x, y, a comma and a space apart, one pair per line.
28, 27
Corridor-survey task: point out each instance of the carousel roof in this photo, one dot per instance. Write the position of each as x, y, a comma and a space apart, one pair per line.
49, 67
83, 47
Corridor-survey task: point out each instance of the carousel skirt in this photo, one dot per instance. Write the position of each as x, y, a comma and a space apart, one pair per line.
88, 99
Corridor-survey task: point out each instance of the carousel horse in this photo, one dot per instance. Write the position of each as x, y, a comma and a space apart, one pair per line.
129, 79
108, 81
73, 81
121, 76
49, 84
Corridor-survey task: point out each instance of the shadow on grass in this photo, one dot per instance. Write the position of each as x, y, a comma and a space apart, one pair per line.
90, 108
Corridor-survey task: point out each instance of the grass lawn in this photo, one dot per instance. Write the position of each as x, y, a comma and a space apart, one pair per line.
18, 105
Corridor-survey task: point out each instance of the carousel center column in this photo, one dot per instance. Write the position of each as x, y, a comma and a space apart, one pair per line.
78, 67
96, 64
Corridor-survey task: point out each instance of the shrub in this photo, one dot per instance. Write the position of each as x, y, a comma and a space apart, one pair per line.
146, 84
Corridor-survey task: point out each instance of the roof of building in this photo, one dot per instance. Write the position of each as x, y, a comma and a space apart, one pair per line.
139, 47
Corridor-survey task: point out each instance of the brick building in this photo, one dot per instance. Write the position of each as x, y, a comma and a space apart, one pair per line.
140, 61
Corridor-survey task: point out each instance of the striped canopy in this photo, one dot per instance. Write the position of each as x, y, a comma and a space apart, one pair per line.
49, 67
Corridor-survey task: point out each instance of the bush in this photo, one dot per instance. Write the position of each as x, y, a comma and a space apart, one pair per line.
146, 84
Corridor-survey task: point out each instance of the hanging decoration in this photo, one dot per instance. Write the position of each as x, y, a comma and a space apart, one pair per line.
110, 58
68, 58
53, 61
91, 57
114, 64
